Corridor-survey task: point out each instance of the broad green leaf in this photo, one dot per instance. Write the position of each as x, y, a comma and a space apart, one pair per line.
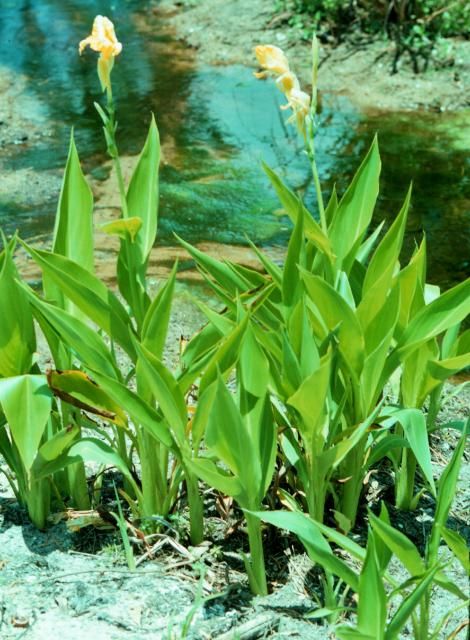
302, 340
90, 450
123, 228
163, 386
26, 402
57, 444
366, 247
458, 546
84, 341
226, 355
411, 283
73, 231
271, 267
409, 604
309, 400
332, 205
142, 195
220, 271
295, 249
157, 318
399, 544
292, 205
140, 412
414, 427
336, 313
54, 447
216, 477
372, 606
414, 374
89, 294
450, 308
76, 388
356, 207
315, 544
227, 437
446, 492
17, 336
442, 369
380, 272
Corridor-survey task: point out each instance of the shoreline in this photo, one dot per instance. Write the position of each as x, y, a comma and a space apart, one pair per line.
224, 34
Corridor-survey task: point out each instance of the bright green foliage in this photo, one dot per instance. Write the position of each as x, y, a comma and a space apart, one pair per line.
384, 541
17, 337
278, 398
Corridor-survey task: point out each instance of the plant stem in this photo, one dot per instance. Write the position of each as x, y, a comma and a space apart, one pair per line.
110, 127
405, 481
196, 515
257, 571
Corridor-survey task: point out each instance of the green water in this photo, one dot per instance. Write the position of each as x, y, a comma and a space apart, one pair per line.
218, 124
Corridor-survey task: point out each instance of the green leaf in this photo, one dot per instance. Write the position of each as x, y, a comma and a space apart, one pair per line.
73, 231
142, 195
295, 249
123, 228
139, 411
458, 546
414, 427
76, 388
442, 313
163, 386
356, 207
157, 318
227, 437
26, 402
309, 400
381, 270
293, 205
84, 341
315, 544
216, 477
53, 448
17, 336
220, 271
399, 544
89, 294
372, 607
409, 604
226, 355
335, 312
90, 450
446, 492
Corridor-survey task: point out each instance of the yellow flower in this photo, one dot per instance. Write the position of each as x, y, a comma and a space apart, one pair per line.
299, 102
272, 59
102, 39
287, 82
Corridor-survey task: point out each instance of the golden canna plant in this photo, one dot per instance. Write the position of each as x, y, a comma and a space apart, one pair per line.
76, 302
336, 322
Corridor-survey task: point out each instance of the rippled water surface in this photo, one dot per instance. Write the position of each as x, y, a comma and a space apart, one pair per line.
216, 125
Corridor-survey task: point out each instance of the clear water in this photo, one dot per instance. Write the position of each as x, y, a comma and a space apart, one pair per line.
217, 124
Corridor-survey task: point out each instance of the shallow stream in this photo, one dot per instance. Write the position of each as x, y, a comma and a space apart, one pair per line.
216, 124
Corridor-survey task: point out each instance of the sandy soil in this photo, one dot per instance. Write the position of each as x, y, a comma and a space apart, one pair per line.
226, 32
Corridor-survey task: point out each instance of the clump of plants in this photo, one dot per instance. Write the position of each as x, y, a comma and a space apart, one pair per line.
279, 402
419, 29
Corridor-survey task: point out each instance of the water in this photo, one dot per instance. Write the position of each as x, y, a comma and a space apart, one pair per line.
216, 125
